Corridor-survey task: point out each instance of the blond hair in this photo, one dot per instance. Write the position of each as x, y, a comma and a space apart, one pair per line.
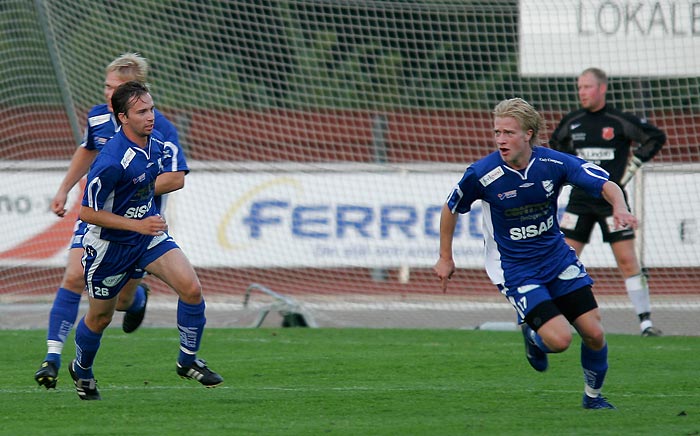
526, 115
129, 66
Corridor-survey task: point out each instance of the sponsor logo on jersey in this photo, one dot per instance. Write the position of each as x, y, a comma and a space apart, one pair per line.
608, 133
509, 194
138, 212
492, 176
526, 185
575, 126
531, 231
537, 209
550, 160
139, 179
596, 154
129, 155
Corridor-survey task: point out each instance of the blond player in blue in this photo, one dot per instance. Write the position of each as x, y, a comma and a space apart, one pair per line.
526, 255
126, 233
101, 126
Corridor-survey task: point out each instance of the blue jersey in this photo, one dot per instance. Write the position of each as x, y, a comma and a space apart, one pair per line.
101, 127
122, 181
523, 244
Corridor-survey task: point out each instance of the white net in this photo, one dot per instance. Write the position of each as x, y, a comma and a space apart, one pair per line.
323, 137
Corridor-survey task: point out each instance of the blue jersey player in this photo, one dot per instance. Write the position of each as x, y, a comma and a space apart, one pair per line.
526, 255
126, 233
101, 126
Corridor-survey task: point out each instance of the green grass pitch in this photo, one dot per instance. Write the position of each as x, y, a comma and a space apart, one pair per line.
352, 382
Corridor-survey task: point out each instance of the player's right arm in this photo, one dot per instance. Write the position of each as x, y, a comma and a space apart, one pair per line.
79, 166
445, 266
153, 225
459, 201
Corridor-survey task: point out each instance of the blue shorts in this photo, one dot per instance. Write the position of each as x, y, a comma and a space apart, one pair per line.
109, 265
526, 297
77, 242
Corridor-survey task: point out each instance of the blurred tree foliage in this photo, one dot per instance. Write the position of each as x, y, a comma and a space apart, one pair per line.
374, 55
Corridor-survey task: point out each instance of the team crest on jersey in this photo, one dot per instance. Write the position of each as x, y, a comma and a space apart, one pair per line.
608, 133
548, 186
492, 176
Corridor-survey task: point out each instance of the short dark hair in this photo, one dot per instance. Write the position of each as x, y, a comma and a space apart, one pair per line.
125, 96
599, 75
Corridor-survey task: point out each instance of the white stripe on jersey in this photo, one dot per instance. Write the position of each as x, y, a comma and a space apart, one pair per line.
93, 190
595, 171
522, 175
99, 119
175, 151
108, 206
492, 257
458, 191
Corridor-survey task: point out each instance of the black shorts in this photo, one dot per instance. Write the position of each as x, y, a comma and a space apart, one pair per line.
571, 305
579, 218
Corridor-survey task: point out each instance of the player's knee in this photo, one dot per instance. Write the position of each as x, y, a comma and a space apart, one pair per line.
192, 293
73, 281
628, 266
124, 302
559, 341
595, 340
98, 322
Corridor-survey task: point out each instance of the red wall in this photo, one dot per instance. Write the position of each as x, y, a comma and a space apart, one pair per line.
425, 136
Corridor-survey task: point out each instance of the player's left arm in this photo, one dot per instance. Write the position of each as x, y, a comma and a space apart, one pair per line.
650, 140
174, 162
169, 182
622, 217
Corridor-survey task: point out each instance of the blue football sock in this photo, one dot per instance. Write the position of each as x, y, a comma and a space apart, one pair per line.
190, 323
87, 343
540, 344
139, 300
537, 339
595, 365
61, 320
